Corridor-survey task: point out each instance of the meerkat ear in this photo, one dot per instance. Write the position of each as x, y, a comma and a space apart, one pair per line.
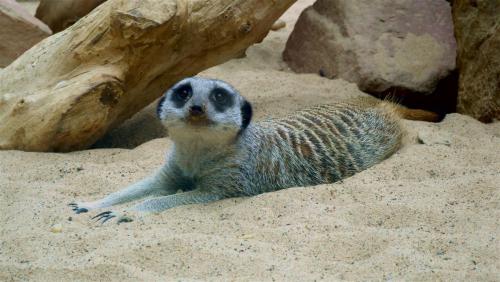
246, 114
160, 105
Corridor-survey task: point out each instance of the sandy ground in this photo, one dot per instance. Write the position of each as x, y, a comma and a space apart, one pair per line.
430, 212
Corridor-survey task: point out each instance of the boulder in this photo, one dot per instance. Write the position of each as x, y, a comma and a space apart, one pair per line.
60, 14
477, 29
378, 44
19, 31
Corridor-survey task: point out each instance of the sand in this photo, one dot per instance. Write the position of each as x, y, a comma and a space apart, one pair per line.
429, 212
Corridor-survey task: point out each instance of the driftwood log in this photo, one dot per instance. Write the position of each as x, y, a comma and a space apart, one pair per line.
67, 91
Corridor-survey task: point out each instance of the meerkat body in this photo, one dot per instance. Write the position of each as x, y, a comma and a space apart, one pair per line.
318, 145
217, 153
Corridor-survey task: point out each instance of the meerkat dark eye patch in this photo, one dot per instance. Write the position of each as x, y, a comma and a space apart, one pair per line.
221, 99
181, 94
246, 114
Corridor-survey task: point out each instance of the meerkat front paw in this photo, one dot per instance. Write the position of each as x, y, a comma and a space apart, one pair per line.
107, 215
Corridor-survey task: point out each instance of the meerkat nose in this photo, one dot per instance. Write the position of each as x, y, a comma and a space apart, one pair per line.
196, 110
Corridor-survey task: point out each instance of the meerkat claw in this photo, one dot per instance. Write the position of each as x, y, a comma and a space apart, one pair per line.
107, 218
104, 216
76, 209
102, 213
124, 219
80, 210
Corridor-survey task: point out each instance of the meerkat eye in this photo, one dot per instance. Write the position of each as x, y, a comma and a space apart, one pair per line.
182, 94
220, 96
221, 99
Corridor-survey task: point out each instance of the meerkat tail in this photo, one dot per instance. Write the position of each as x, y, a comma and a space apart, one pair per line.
402, 112
417, 114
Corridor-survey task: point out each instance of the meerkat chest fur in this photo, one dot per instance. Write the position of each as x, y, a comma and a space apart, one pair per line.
198, 153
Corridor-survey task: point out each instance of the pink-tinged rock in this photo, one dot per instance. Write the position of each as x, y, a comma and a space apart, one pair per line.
477, 28
61, 14
378, 44
19, 31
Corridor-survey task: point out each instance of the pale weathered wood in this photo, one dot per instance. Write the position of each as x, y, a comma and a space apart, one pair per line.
67, 91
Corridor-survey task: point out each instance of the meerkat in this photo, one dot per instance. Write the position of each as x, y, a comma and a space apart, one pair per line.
218, 152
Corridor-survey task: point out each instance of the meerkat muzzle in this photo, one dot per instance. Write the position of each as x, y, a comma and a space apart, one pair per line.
196, 111
197, 116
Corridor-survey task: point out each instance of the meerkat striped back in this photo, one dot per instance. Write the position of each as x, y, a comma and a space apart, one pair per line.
322, 144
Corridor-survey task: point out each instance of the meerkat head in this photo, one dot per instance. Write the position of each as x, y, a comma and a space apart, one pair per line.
204, 109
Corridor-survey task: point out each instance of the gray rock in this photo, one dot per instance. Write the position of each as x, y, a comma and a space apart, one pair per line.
377, 44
